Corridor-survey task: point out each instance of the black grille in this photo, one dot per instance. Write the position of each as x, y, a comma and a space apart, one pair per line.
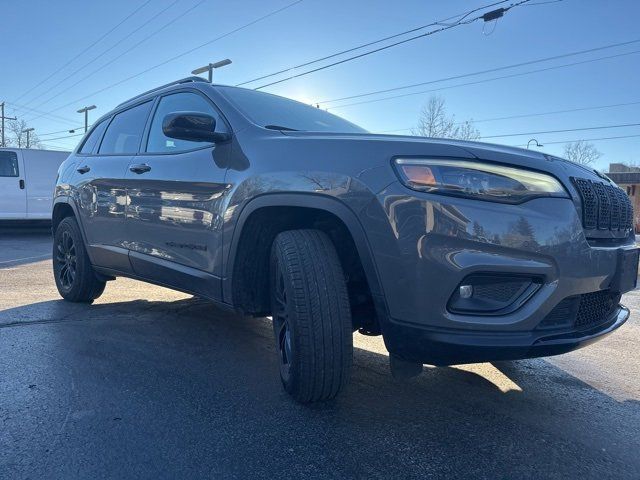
563, 315
604, 206
499, 292
582, 311
596, 307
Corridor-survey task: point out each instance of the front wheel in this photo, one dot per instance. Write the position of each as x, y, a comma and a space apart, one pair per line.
74, 275
311, 315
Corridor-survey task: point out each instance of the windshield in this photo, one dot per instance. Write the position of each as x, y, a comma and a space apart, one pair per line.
279, 113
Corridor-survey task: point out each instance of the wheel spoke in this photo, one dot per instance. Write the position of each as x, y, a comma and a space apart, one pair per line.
287, 345
284, 344
282, 326
64, 277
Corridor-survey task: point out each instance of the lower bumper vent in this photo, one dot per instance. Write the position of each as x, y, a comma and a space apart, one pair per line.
582, 311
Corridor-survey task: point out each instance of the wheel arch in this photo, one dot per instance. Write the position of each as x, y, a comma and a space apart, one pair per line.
64, 207
269, 214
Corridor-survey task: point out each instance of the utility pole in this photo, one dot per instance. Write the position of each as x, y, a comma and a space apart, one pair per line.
209, 68
28, 131
85, 110
3, 119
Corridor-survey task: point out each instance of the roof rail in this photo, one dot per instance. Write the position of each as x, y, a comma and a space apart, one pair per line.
176, 82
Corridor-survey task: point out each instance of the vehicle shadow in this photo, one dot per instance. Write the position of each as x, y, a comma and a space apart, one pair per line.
191, 382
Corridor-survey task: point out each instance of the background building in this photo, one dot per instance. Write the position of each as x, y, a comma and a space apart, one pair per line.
628, 178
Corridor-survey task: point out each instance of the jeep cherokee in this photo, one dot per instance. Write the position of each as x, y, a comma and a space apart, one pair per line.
454, 252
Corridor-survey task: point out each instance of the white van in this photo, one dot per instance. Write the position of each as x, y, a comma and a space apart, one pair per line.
27, 179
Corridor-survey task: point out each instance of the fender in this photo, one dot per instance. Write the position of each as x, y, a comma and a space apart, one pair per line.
67, 200
307, 200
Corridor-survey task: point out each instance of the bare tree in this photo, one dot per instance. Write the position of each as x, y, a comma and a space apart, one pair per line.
434, 122
581, 152
17, 138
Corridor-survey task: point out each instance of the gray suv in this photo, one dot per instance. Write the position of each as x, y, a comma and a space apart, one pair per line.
454, 252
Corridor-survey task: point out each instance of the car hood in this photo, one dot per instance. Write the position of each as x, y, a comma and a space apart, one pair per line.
387, 146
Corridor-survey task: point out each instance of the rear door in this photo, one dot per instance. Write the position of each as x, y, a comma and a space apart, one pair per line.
13, 195
101, 172
175, 190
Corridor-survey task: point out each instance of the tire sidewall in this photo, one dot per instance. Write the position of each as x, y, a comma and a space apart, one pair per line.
278, 264
70, 225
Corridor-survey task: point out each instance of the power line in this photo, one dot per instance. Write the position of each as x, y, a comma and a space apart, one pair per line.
364, 45
136, 45
57, 118
59, 131
401, 42
519, 74
527, 115
97, 57
543, 3
66, 136
584, 140
481, 72
15, 106
86, 49
623, 125
231, 32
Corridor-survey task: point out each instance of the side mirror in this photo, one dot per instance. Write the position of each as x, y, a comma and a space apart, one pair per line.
192, 126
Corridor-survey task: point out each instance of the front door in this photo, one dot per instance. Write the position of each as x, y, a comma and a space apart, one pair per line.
13, 195
175, 191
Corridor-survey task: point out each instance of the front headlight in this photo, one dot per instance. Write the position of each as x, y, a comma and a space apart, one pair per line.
476, 179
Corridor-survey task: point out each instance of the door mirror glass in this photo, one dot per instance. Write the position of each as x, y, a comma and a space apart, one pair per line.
192, 126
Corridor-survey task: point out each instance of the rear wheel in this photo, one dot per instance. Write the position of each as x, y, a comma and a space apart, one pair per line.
311, 315
74, 275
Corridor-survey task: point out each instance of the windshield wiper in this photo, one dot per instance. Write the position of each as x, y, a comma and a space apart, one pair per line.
280, 127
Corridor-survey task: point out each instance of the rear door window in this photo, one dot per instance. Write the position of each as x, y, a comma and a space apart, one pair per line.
93, 138
125, 131
9, 164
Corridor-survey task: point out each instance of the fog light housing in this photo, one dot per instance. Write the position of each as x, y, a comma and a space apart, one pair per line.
465, 291
492, 294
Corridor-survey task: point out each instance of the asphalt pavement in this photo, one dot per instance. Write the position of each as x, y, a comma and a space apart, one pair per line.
151, 383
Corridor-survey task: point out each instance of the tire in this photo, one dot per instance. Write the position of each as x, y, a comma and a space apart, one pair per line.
311, 315
75, 278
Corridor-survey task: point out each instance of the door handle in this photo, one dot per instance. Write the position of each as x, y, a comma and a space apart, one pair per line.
83, 169
21, 183
140, 168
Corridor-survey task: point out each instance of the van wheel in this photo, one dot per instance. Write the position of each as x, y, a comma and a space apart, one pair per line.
74, 275
311, 315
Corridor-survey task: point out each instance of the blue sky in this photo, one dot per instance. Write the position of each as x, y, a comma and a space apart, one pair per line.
40, 36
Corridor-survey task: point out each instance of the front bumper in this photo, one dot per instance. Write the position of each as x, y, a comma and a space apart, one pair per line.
426, 245
449, 347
